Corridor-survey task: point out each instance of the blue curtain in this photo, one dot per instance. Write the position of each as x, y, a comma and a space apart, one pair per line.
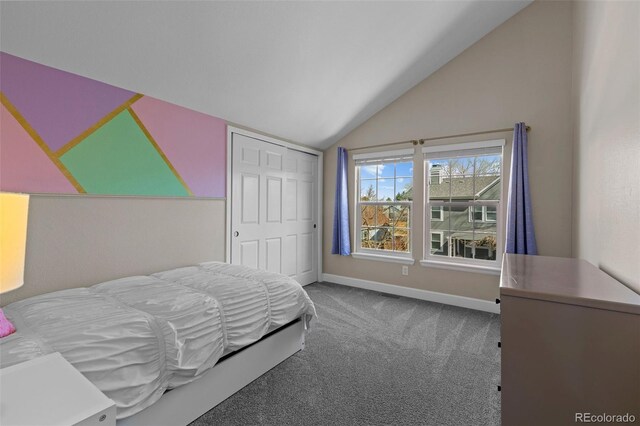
521, 238
341, 244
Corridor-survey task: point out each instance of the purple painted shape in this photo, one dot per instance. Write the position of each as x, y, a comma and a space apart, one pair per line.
24, 166
57, 104
194, 143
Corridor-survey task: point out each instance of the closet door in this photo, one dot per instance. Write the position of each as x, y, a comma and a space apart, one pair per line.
273, 208
300, 239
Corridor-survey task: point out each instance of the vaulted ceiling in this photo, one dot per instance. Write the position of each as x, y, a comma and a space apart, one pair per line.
309, 72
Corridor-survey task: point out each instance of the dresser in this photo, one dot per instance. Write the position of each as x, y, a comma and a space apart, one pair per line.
570, 343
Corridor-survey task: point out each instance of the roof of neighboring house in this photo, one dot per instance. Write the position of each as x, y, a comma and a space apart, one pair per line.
462, 188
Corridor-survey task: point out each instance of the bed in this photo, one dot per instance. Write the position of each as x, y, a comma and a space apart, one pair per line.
166, 347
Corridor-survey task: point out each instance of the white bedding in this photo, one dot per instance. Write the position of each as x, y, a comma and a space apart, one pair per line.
136, 337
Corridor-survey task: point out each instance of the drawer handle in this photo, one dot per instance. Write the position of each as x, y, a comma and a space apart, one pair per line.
497, 301
499, 344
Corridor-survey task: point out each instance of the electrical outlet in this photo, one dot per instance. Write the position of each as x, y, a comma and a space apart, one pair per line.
405, 270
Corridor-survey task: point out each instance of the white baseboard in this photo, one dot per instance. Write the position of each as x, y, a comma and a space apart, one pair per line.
431, 296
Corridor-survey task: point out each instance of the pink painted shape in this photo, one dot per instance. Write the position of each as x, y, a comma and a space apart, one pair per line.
24, 167
194, 143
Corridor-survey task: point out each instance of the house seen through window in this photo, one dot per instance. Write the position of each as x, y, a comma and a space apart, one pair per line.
384, 203
463, 194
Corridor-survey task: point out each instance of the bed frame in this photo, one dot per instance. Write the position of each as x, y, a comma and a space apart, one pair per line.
234, 371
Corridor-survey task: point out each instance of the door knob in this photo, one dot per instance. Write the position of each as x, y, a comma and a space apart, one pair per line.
235, 234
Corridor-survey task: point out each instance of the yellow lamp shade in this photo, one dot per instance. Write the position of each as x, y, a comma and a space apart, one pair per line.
14, 209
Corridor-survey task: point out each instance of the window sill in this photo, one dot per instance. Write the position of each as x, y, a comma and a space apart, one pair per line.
491, 270
384, 258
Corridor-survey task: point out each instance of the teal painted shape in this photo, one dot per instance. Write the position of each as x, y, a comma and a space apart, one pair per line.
119, 159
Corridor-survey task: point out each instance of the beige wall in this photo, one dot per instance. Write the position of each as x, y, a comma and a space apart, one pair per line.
519, 72
606, 90
77, 241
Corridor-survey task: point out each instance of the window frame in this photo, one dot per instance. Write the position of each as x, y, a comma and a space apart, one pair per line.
460, 263
396, 156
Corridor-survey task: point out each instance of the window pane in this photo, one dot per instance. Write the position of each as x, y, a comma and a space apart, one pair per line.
491, 214
462, 188
399, 216
368, 172
368, 189
386, 190
488, 165
386, 170
401, 240
485, 238
377, 238
438, 182
382, 216
485, 246
404, 169
488, 188
365, 238
459, 219
461, 167
487, 174
368, 215
384, 238
404, 189
462, 244
438, 227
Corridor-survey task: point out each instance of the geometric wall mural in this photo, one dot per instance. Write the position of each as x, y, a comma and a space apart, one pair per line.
67, 134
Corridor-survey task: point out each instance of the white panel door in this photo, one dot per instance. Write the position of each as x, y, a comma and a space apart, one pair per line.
300, 221
273, 208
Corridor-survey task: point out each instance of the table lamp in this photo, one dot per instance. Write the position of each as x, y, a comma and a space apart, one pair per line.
14, 209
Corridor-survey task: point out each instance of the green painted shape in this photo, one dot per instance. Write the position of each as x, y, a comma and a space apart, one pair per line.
119, 159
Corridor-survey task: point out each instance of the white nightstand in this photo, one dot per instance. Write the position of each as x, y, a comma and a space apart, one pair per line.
50, 391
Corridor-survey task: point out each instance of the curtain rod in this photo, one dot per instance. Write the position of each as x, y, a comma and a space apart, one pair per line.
422, 141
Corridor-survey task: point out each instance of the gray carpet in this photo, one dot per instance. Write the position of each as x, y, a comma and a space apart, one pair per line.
373, 359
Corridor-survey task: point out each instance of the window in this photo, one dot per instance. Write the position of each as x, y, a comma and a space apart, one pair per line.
384, 182
481, 214
475, 213
436, 242
437, 213
464, 204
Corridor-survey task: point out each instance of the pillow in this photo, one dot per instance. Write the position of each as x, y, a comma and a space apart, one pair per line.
6, 328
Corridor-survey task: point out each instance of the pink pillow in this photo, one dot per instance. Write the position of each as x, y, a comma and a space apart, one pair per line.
6, 328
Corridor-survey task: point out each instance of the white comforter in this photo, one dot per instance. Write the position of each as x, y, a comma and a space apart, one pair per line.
136, 337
